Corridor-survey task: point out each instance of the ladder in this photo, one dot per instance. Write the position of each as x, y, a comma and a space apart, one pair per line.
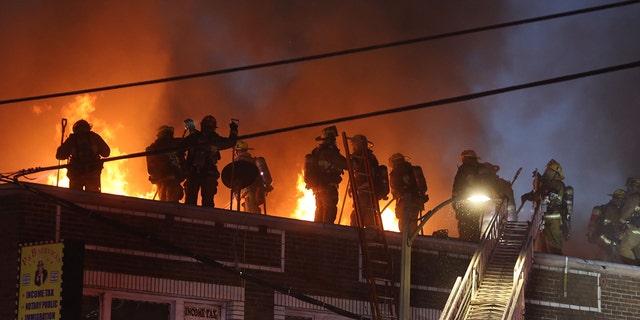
376, 256
496, 288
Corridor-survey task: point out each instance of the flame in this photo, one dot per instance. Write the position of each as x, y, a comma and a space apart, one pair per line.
115, 173
306, 206
389, 220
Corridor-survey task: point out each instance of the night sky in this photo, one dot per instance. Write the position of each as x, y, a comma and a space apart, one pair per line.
590, 125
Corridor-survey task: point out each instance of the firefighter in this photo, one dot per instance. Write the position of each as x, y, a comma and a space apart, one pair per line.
604, 227
166, 169
549, 188
504, 190
84, 148
203, 153
323, 171
365, 168
408, 190
471, 177
254, 195
630, 218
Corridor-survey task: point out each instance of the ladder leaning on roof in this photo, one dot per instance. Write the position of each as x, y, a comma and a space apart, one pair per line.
376, 256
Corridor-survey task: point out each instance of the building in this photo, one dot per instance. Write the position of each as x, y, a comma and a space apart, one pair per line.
146, 259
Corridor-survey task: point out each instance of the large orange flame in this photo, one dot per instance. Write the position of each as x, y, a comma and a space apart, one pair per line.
115, 173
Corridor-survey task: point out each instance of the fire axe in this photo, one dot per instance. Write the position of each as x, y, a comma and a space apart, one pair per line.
64, 126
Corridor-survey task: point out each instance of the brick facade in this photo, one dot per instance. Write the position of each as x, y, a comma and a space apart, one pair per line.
249, 262
253, 266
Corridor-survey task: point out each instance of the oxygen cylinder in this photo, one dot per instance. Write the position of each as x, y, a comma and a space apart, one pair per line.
568, 197
310, 170
421, 182
382, 182
264, 171
566, 223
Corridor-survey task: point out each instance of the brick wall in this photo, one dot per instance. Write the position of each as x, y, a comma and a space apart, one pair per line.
593, 290
153, 240
146, 238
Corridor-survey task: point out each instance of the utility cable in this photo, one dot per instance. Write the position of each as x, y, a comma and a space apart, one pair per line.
424, 105
323, 55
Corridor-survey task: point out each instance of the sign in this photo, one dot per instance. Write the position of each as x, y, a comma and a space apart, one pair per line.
201, 312
40, 282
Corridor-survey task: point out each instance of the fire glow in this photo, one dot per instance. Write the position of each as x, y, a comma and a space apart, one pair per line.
115, 175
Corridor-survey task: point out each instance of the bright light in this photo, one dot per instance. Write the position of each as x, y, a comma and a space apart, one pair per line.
478, 198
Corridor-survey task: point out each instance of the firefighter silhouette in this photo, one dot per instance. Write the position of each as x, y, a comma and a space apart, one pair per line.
323, 171
604, 228
203, 153
361, 157
83, 148
471, 177
166, 169
630, 218
409, 189
254, 195
549, 188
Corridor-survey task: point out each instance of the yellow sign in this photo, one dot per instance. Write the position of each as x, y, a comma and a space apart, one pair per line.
40, 284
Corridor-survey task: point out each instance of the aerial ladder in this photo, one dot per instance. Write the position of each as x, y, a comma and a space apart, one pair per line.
377, 267
493, 285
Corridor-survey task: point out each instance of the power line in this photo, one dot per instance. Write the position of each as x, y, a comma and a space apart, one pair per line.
323, 55
424, 105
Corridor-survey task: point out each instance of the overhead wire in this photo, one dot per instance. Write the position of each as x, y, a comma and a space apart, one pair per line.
324, 55
450, 100
424, 105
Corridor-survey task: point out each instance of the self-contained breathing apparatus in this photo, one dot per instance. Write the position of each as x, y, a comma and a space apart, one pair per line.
421, 182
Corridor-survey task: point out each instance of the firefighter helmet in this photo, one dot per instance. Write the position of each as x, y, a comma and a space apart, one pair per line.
81, 126
164, 131
619, 193
241, 145
633, 182
208, 123
328, 133
468, 154
395, 158
359, 140
554, 166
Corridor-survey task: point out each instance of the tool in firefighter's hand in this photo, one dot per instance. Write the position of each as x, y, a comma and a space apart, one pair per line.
64, 126
529, 196
516, 176
233, 127
238, 175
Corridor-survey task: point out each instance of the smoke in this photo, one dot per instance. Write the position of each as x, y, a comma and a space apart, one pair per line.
588, 125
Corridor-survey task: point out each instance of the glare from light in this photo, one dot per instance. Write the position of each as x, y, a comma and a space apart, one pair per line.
479, 198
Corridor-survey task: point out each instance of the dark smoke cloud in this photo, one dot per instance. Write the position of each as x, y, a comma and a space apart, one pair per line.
588, 125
